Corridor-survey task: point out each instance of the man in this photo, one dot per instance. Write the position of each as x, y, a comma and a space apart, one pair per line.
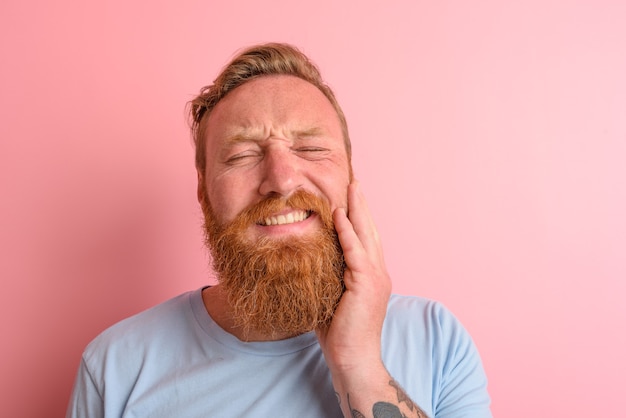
302, 323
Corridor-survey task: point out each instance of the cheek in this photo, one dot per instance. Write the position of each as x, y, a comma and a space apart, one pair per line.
229, 197
337, 193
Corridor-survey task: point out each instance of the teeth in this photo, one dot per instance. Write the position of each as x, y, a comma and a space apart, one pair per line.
291, 217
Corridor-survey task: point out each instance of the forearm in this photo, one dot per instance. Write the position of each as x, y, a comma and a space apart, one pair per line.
375, 394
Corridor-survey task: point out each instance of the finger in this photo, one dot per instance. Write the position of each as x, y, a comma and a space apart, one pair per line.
361, 219
351, 245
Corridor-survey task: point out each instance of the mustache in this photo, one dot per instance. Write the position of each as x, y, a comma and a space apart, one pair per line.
299, 200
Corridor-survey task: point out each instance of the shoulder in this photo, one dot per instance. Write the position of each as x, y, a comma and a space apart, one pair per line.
412, 318
419, 312
429, 352
142, 330
428, 329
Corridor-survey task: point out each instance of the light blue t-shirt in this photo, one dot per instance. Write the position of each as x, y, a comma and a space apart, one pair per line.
173, 360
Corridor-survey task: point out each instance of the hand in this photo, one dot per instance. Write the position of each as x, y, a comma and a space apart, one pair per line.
351, 344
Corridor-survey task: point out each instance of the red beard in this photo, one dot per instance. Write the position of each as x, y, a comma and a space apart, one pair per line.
277, 286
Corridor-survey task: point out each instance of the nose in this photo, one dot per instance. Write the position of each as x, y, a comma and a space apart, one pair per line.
280, 172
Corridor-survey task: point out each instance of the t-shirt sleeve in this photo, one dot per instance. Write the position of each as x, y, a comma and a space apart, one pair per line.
462, 388
86, 400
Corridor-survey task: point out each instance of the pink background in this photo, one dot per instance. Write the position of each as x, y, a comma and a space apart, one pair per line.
489, 136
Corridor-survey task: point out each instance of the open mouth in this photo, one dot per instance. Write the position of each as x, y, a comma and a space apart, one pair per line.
288, 218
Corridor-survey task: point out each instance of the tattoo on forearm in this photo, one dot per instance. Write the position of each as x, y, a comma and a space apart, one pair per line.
386, 409
354, 412
403, 397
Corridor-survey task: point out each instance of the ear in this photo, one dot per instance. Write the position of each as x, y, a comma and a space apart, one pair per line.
201, 186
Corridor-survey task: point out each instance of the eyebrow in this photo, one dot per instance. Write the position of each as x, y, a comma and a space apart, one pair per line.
307, 133
251, 135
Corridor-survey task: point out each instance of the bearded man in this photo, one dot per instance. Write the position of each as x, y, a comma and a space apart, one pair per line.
301, 323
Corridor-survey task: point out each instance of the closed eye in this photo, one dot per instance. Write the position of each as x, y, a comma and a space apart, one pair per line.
310, 149
312, 152
242, 157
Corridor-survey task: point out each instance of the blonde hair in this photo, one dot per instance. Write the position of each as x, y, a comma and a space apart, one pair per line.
254, 62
